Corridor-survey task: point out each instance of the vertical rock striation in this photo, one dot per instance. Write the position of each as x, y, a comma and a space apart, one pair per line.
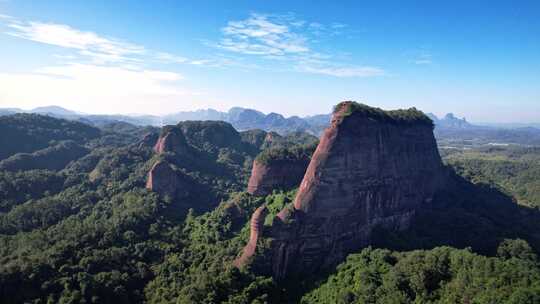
256, 228
277, 174
171, 140
164, 180
371, 168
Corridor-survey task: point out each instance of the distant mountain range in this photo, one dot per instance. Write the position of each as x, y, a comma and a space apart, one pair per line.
240, 118
450, 121
244, 119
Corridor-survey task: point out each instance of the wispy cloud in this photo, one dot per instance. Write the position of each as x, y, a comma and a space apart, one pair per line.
6, 17
87, 87
424, 57
90, 45
284, 38
166, 57
86, 43
337, 25
258, 35
93, 70
363, 71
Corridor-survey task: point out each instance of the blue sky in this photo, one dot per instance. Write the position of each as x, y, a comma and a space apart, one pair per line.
478, 59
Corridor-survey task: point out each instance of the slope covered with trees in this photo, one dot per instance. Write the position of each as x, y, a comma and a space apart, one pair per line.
440, 275
30, 132
514, 169
88, 231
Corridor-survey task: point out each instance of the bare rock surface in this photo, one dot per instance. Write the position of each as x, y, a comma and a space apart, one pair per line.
164, 180
256, 228
371, 168
172, 140
284, 174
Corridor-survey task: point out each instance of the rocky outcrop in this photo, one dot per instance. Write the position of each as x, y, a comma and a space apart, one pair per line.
254, 138
208, 156
280, 175
278, 168
164, 180
371, 168
256, 228
171, 140
149, 140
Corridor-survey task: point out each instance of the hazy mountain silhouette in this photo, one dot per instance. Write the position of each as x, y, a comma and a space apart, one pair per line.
448, 126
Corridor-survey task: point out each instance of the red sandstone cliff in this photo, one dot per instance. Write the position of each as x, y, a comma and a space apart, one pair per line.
256, 225
282, 174
371, 168
171, 140
166, 181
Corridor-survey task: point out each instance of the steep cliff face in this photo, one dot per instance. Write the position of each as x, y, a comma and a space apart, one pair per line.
256, 228
279, 168
211, 136
171, 140
371, 168
208, 155
164, 180
279, 175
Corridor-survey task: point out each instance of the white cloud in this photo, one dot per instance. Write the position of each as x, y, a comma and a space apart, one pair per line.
284, 39
424, 57
6, 17
115, 75
87, 87
166, 57
261, 35
87, 43
362, 71
316, 25
337, 25
423, 61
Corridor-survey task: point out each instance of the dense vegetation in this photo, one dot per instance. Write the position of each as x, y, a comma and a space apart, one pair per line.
408, 116
515, 170
30, 132
284, 154
52, 158
264, 140
87, 231
440, 275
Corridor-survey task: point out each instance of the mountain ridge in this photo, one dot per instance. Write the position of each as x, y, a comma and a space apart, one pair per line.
242, 118
450, 130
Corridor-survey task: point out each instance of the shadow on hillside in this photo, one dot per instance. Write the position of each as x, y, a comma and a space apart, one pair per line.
478, 216
464, 215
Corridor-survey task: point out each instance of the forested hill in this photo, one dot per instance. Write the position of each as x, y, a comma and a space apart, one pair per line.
449, 130
78, 224
31, 132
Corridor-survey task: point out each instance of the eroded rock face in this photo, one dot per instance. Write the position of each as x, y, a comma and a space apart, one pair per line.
171, 140
164, 180
256, 226
371, 168
284, 174
149, 140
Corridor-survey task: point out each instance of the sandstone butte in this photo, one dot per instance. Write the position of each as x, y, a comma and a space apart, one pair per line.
371, 168
170, 140
276, 174
162, 178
